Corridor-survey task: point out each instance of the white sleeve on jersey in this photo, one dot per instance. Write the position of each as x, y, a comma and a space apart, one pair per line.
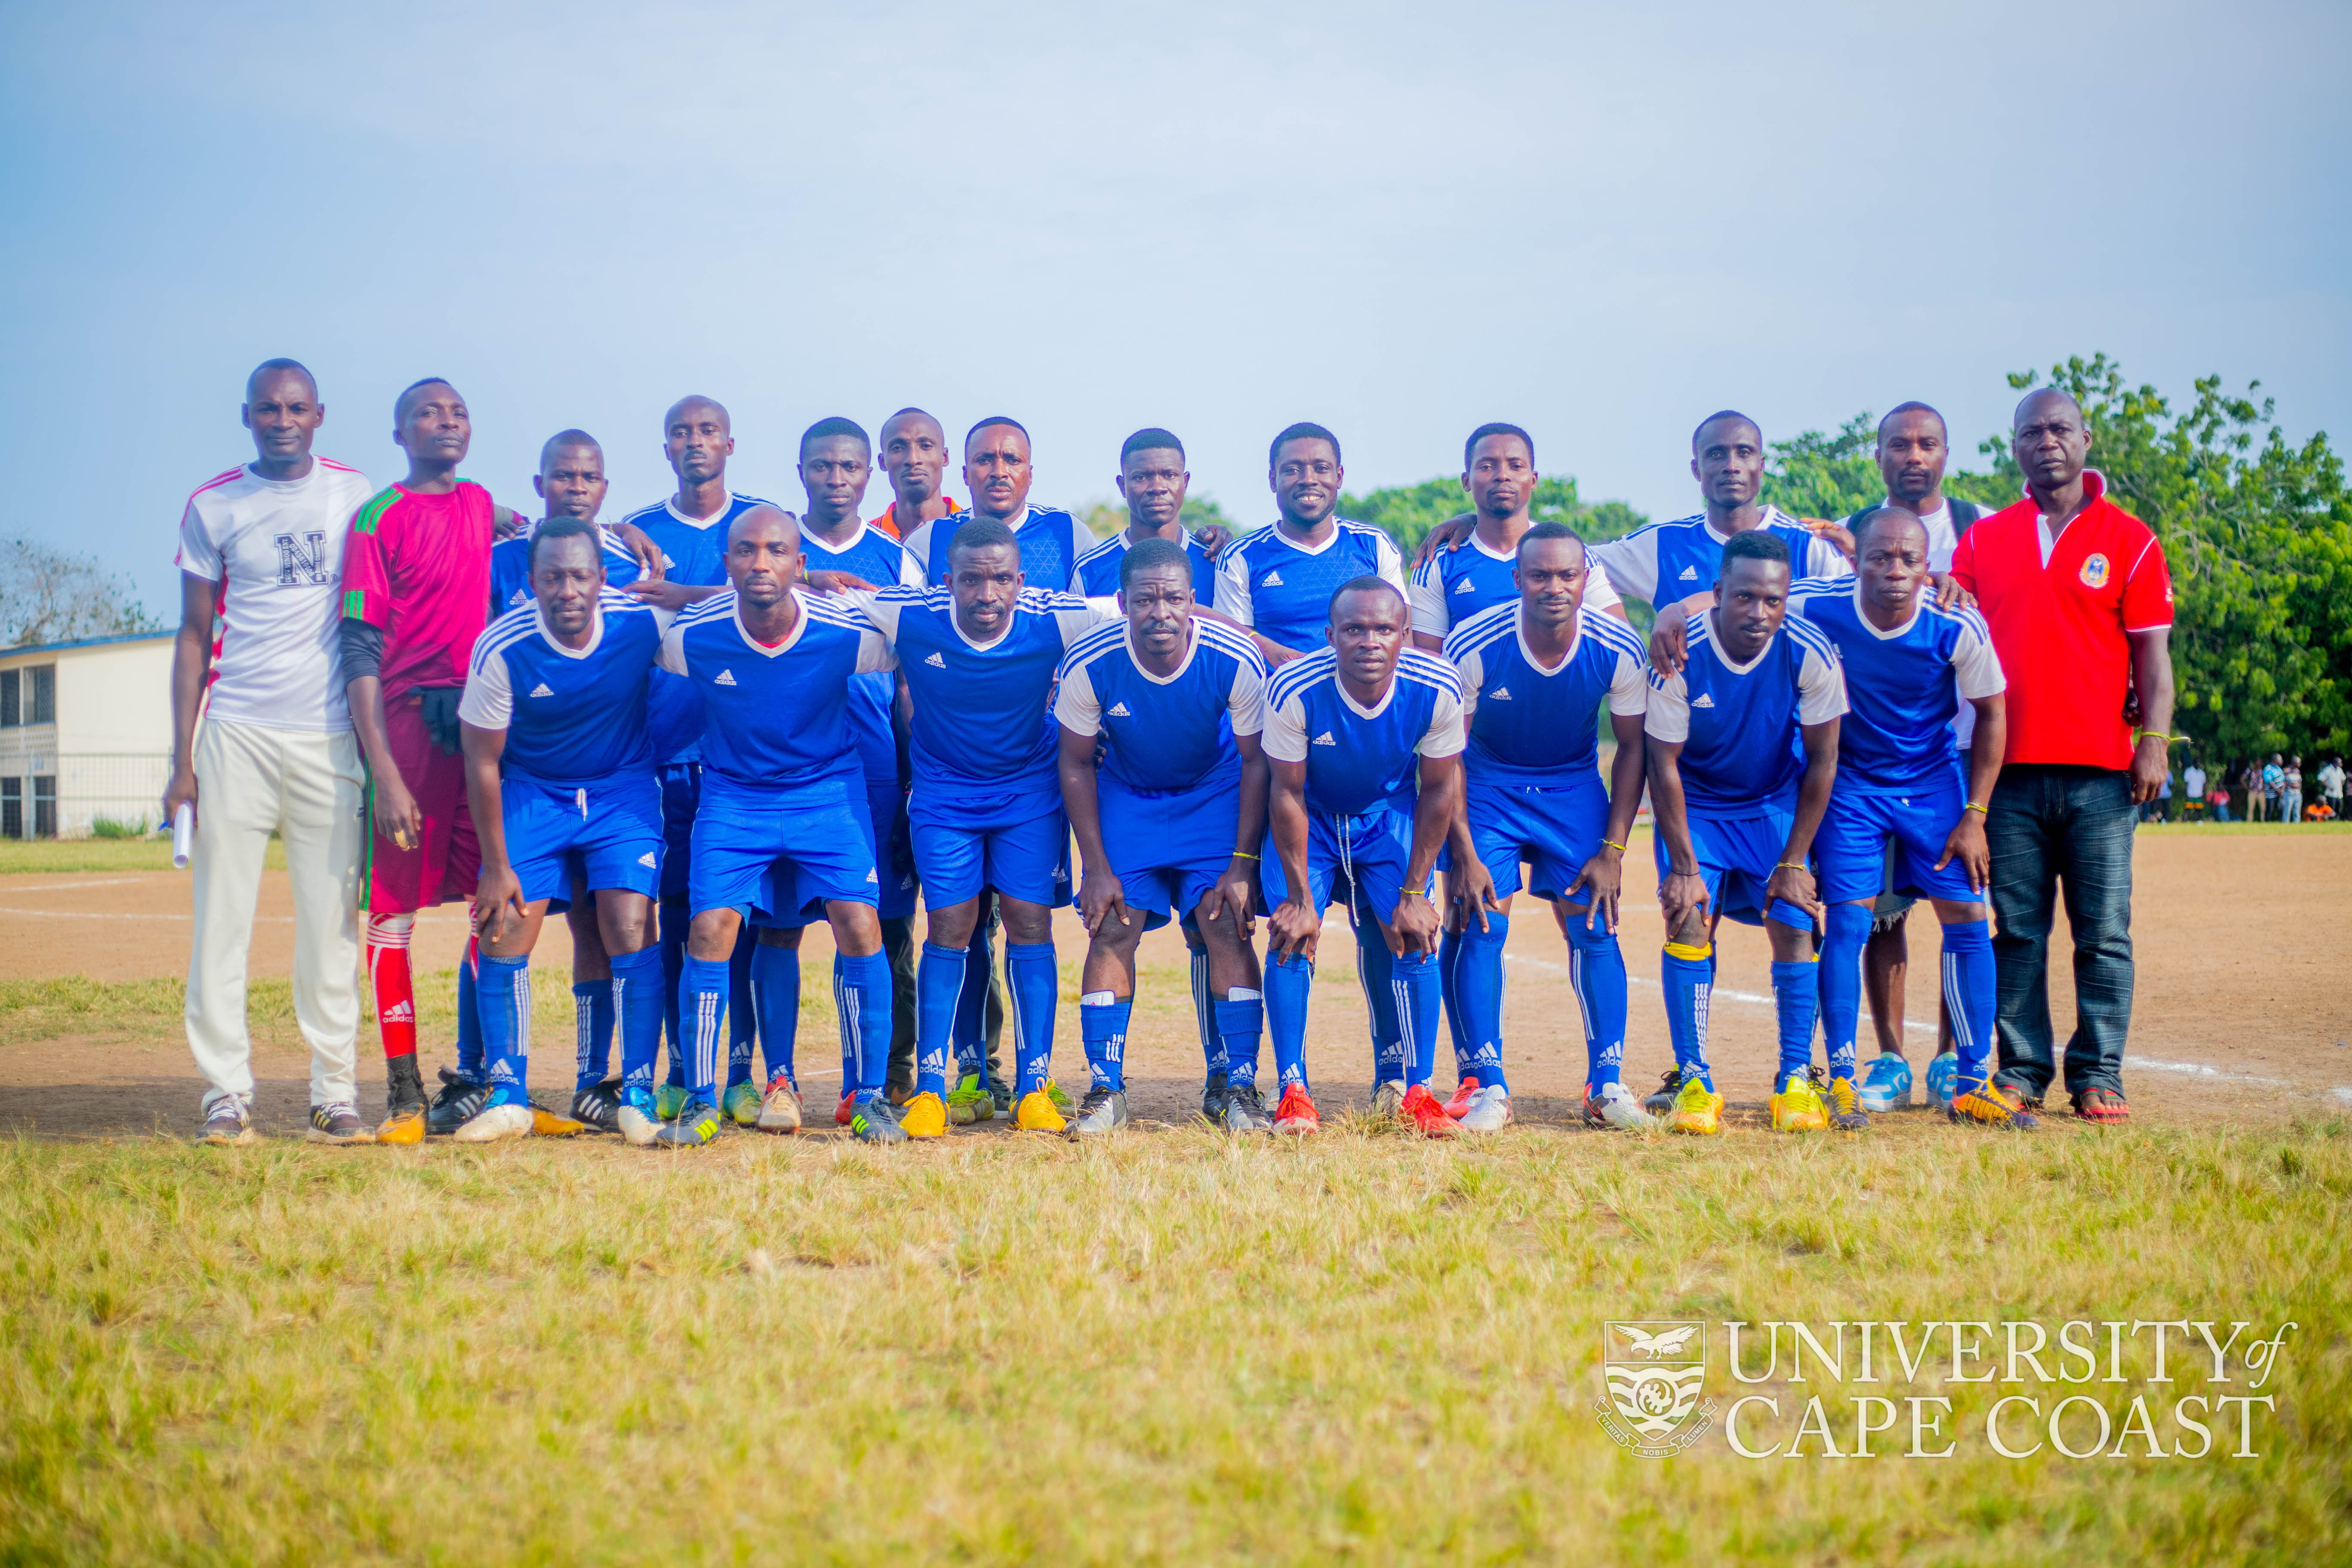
1392, 564
1600, 593
883, 613
672, 657
1820, 689
1823, 559
1630, 564
1629, 687
1446, 735
910, 569
1975, 666
1470, 669
489, 699
1075, 707
199, 556
874, 653
1426, 598
1245, 705
1667, 715
1076, 617
917, 546
1284, 735
1233, 588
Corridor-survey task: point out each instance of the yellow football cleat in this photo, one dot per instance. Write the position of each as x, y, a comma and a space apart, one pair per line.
1798, 1107
1036, 1114
925, 1116
405, 1125
1844, 1106
1989, 1105
547, 1124
1698, 1110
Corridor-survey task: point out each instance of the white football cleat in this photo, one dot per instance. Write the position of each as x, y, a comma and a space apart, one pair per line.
1615, 1107
493, 1122
1388, 1097
1490, 1109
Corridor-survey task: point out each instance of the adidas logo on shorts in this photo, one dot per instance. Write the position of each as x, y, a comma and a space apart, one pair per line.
1118, 711
725, 678
1466, 587
1690, 574
541, 690
1325, 738
647, 858
1273, 580
872, 877
936, 662
1704, 701
1502, 694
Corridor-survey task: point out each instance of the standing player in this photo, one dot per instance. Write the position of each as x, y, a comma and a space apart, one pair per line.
1171, 823
560, 779
1907, 661
260, 551
980, 656
1533, 673
782, 817
1449, 586
1737, 800
998, 472
914, 456
1365, 741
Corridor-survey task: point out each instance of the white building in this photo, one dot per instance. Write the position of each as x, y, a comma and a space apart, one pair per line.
84, 733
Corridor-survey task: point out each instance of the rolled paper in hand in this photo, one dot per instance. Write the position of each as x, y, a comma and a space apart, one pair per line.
184, 834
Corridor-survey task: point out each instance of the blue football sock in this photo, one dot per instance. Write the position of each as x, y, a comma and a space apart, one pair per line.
939, 983
1478, 1000
1205, 1011
1241, 1019
1289, 980
1375, 968
675, 919
1596, 970
861, 991
640, 999
470, 1064
1034, 983
776, 998
1449, 983
1102, 1025
1796, 997
702, 1006
592, 1018
972, 1009
503, 990
1841, 984
1688, 974
1972, 994
742, 1017
1416, 989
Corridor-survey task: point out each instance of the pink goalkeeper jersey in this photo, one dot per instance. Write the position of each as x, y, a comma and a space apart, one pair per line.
418, 566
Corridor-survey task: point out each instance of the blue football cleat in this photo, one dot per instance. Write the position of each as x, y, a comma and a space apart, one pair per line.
1886, 1084
1941, 1074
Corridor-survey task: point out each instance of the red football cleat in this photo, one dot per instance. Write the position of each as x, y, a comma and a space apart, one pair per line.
845, 1110
1463, 1092
1297, 1113
1421, 1109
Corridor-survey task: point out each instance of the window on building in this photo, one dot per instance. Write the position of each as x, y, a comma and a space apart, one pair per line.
12, 689
12, 808
44, 807
41, 696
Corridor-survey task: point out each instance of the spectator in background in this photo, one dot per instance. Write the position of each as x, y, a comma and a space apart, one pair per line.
2250, 784
2331, 788
2273, 786
2193, 792
2293, 793
2219, 799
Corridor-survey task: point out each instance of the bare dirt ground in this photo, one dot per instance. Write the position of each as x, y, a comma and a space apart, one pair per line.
2236, 1014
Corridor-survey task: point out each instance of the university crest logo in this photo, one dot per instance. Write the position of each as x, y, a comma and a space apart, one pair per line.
2095, 571
1654, 1371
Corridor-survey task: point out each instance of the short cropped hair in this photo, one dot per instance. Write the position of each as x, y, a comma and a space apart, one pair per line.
275, 366
1302, 431
984, 533
1480, 433
400, 403
1870, 519
1154, 440
564, 441
1928, 409
1152, 553
1755, 544
836, 425
1544, 530
1719, 415
997, 419
1364, 585
560, 527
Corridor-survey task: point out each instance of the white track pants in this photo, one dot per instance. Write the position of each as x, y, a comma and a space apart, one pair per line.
309, 788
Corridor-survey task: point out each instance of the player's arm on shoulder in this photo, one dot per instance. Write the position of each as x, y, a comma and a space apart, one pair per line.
1426, 602
1447, 536
1389, 563
639, 543
672, 657
1600, 593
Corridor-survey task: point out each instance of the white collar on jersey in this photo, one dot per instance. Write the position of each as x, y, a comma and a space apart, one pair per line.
1191, 646
1377, 709
669, 504
1772, 514
595, 632
1338, 528
1723, 658
1919, 608
997, 641
1519, 630
791, 638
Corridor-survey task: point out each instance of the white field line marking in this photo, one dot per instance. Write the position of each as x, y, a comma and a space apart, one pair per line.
114, 915
69, 887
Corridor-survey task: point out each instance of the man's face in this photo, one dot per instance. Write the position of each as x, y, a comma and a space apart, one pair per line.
1893, 564
1368, 628
1911, 456
835, 470
763, 556
1751, 598
2050, 443
1728, 460
1502, 477
1154, 482
283, 411
566, 576
914, 457
434, 427
1550, 575
571, 481
984, 584
1157, 602
698, 442
1306, 478
996, 471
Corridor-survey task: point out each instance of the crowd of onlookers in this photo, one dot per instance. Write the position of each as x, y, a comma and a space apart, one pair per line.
2272, 790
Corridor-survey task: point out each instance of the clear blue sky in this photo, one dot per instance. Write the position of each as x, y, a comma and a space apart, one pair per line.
1397, 220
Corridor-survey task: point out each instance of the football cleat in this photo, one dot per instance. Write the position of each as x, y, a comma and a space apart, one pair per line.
970, 1102
696, 1126
1489, 1111
848, 1109
875, 1121
669, 1098
338, 1122
494, 1123
1103, 1112
227, 1123
546, 1123
1844, 1107
1989, 1105
1038, 1113
1245, 1111
1669, 1094
599, 1105
925, 1116
460, 1101
1797, 1106
1698, 1110
1421, 1110
1885, 1083
780, 1110
1388, 1097
1615, 1107
1055, 1092
742, 1104
1943, 1076
1213, 1098
2104, 1106
637, 1120
1464, 1093
1297, 1112
1000, 1095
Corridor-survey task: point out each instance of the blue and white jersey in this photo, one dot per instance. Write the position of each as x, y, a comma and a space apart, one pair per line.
1051, 542
511, 568
1530, 724
884, 561
1282, 589
981, 721
1453, 585
1901, 687
1165, 734
776, 718
1737, 724
694, 552
1666, 563
575, 717
1099, 569
1362, 759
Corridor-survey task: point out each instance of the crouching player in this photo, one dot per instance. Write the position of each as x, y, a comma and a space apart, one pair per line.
1533, 673
1364, 740
558, 780
781, 820
1170, 824
1736, 801
1907, 662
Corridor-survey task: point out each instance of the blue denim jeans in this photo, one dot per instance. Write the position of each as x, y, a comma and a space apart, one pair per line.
2051, 826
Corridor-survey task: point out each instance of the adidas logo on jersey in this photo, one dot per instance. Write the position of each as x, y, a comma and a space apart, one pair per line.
1325, 738
1118, 711
725, 678
520, 596
936, 662
1273, 580
1690, 574
1704, 701
647, 858
1502, 694
1466, 587
541, 690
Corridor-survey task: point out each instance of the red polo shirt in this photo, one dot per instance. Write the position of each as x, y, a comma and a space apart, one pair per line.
2060, 627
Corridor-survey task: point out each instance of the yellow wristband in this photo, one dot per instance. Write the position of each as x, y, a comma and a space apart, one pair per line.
1973, 805
1244, 854
1612, 844
1792, 866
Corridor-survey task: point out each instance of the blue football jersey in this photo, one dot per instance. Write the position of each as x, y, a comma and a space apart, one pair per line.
980, 724
574, 717
1099, 569
777, 717
511, 568
1739, 727
1453, 585
1051, 542
1531, 725
1164, 736
1282, 589
884, 561
694, 552
1901, 687
1358, 761
1669, 562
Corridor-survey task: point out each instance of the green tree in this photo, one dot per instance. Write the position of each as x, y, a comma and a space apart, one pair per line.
1108, 515
1407, 513
1831, 477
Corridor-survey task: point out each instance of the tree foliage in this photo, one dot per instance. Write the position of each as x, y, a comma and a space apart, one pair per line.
47, 595
1106, 517
1408, 511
